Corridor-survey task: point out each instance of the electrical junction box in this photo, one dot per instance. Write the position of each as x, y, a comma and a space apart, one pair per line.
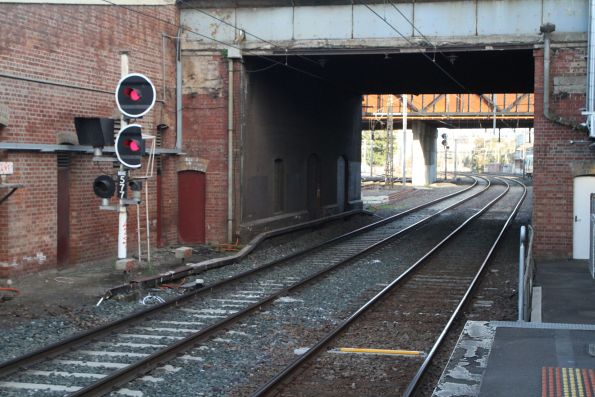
4, 113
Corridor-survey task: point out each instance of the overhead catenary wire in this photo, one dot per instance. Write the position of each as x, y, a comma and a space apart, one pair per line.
412, 43
231, 45
436, 49
202, 11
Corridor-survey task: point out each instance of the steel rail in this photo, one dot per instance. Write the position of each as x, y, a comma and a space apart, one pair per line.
52, 350
133, 371
158, 357
299, 361
417, 377
363, 228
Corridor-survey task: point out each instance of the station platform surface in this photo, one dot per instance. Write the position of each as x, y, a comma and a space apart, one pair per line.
551, 358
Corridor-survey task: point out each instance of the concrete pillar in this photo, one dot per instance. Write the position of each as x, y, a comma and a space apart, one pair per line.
423, 170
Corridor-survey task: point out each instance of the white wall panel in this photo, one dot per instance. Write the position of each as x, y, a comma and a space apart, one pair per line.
270, 23
207, 26
322, 22
453, 18
366, 24
508, 17
568, 15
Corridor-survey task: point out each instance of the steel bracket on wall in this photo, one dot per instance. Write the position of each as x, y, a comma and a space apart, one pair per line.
49, 148
13, 188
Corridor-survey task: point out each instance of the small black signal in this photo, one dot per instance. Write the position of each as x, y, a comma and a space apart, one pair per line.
104, 186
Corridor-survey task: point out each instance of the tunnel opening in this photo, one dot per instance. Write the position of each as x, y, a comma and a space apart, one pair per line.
331, 104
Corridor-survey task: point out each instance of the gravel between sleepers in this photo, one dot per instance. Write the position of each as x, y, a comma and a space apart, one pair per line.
31, 327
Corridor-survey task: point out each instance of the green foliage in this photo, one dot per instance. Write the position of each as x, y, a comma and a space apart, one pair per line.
378, 147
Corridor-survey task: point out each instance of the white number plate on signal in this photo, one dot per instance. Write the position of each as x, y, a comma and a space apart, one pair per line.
6, 168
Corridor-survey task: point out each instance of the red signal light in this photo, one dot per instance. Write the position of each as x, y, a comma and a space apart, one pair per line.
135, 95
132, 145
132, 94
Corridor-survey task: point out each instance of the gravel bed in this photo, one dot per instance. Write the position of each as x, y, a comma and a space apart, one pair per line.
57, 322
409, 318
241, 359
60, 321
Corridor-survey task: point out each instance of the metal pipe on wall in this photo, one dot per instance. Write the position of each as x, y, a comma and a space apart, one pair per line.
179, 90
230, 152
546, 29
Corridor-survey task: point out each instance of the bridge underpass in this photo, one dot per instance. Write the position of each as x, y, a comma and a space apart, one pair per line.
315, 108
304, 66
423, 114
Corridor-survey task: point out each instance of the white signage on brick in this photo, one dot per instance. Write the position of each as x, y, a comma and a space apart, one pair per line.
6, 168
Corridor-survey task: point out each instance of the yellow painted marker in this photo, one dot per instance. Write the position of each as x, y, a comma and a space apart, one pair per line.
381, 351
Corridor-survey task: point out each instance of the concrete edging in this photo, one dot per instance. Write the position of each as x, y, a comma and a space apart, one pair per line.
195, 268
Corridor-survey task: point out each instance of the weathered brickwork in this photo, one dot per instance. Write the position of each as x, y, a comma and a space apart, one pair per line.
78, 46
205, 132
554, 155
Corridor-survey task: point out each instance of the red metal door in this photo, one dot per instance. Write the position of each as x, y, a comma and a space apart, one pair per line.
191, 206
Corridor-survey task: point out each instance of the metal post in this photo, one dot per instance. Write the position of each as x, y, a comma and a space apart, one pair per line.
388, 169
494, 112
372, 153
140, 252
122, 214
521, 308
445, 154
123, 210
403, 150
455, 165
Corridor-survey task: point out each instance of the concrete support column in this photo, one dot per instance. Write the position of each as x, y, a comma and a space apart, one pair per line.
423, 171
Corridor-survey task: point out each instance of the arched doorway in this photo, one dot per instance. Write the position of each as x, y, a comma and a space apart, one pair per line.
191, 206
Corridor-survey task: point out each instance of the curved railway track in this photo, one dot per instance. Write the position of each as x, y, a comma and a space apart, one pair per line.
383, 357
129, 348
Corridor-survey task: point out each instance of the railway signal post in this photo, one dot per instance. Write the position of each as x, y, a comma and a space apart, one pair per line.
445, 144
135, 96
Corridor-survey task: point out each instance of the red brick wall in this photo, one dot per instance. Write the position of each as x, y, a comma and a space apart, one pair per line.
553, 179
205, 136
81, 46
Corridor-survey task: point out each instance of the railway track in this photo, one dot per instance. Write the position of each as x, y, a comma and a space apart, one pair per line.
103, 359
368, 355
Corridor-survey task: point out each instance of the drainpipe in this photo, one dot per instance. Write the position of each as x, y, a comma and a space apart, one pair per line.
547, 30
179, 90
230, 152
590, 111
